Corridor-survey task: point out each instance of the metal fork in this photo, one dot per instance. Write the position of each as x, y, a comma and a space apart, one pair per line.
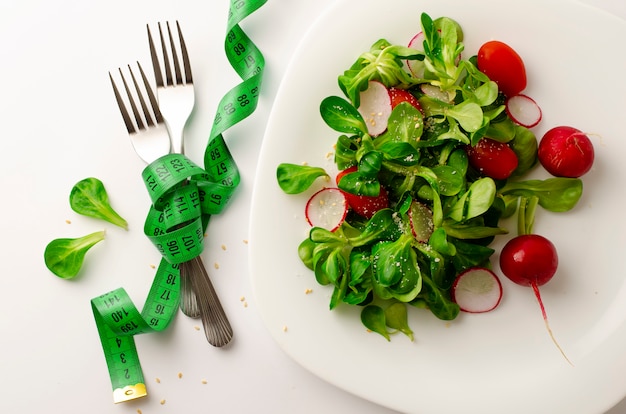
176, 93
176, 96
148, 132
176, 100
150, 139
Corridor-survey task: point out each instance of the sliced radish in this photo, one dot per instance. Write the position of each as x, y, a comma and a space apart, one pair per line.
327, 209
417, 67
477, 290
421, 219
436, 93
375, 107
523, 110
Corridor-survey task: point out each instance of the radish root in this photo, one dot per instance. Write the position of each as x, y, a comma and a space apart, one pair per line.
545, 319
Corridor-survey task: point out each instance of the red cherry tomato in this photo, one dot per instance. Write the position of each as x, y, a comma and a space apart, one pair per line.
363, 205
493, 158
566, 152
401, 95
504, 66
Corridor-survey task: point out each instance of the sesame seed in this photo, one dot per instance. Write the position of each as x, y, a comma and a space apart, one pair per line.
162, 401
180, 375
158, 380
223, 247
216, 265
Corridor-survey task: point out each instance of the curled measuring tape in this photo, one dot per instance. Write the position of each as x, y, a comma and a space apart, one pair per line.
183, 197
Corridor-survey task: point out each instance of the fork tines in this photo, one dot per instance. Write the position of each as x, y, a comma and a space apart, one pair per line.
151, 115
172, 53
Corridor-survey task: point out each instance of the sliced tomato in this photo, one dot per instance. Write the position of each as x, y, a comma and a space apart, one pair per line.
402, 95
503, 66
363, 205
493, 158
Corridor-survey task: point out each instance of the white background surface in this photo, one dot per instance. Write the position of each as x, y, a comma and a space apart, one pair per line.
60, 125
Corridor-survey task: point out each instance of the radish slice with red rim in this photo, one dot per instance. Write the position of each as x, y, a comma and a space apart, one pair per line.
523, 110
327, 209
477, 290
435, 92
417, 67
421, 220
375, 107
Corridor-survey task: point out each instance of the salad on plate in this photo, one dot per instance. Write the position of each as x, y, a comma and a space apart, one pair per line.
433, 153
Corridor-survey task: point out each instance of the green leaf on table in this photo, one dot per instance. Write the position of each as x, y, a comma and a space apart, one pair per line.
89, 198
64, 257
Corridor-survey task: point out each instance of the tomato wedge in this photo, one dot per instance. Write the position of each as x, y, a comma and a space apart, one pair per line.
363, 205
402, 95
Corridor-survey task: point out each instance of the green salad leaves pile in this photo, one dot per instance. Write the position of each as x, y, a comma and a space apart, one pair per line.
381, 263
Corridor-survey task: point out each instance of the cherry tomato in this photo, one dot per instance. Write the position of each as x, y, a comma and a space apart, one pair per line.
493, 158
529, 258
566, 152
401, 95
504, 66
363, 205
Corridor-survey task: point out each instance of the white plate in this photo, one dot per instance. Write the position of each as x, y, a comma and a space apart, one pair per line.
499, 362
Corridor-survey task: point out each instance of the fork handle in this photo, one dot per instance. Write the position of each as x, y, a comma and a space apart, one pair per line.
188, 300
217, 328
176, 136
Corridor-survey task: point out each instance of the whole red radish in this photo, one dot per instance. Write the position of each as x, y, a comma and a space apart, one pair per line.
503, 65
528, 259
493, 158
363, 205
531, 260
565, 151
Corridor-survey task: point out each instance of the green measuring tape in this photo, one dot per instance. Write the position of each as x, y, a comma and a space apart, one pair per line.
118, 320
183, 197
